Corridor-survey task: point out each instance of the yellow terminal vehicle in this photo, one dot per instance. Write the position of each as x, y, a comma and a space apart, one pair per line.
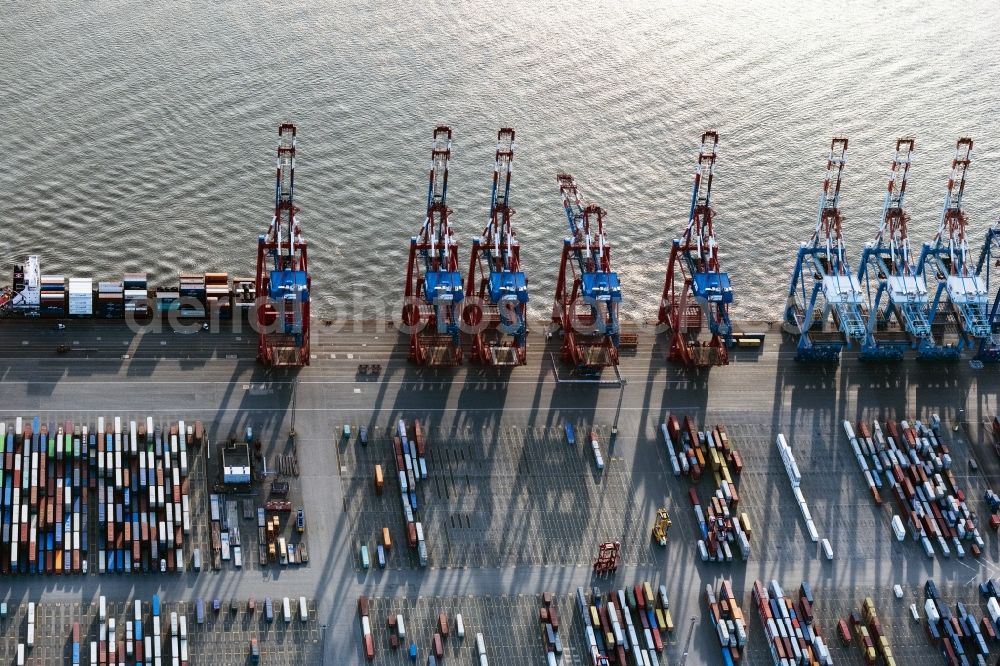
661, 526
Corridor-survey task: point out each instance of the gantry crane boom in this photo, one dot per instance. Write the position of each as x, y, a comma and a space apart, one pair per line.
434, 292
696, 289
497, 290
949, 260
989, 260
282, 281
899, 314
588, 291
834, 290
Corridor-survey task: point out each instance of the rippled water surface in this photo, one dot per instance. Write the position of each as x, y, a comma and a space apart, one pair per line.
141, 136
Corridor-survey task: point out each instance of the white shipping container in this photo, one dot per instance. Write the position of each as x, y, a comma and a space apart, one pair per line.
898, 529
827, 549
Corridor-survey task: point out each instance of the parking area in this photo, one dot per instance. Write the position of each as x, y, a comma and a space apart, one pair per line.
477, 483
509, 625
907, 638
238, 511
834, 488
223, 639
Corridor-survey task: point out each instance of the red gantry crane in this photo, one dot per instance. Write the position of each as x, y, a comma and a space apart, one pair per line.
696, 289
433, 297
588, 292
497, 301
282, 281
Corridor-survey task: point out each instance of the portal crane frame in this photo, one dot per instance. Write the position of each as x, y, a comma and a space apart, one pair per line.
948, 260
434, 292
989, 261
899, 314
496, 288
282, 281
696, 290
835, 291
588, 290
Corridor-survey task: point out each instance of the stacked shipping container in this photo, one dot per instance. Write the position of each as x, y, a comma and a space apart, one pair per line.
44, 498
411, 467
144, 508
792, 638
916, 467
613, 624
140, 480
727, 620
691, 451
795, 478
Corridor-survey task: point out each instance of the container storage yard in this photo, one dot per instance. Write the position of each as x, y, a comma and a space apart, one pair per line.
696, 490
113, 495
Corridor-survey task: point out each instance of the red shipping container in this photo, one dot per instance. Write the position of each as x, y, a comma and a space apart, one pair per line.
443, 624
411, 534
438, 647
737, 462
362, 605
369, 647
845, 634
640, 601
554, 618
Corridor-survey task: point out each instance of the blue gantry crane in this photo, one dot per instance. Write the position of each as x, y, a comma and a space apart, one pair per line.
948, 261
989, 260
824, 306
899, 313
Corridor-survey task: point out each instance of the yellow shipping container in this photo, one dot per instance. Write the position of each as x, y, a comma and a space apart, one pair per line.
669, 621
647, 591
745, 523
595, 617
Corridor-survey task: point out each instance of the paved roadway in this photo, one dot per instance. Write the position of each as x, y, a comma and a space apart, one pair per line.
213, 376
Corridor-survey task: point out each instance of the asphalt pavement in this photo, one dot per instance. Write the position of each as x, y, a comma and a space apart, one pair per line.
213, 376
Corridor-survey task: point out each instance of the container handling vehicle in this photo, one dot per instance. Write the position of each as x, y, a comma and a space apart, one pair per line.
696, 291
660, 527
496, 289
282, 280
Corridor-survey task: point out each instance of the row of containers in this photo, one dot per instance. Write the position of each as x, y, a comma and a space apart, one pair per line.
133, 645
957, 633
795, 480
396, 627
792, 636
134, 472
628, 622
195, 295
722, 527
409, 453
910, 461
